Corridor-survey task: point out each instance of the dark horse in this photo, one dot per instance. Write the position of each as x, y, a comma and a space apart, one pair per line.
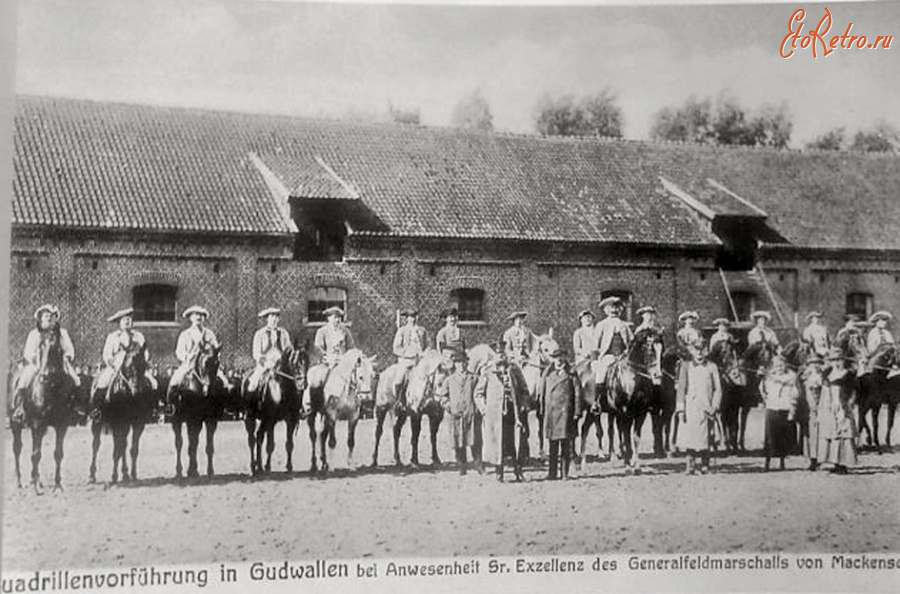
124, 406
736, 395
633, 384
880, 386
198, 400
277, 398
665, 433
592, 407
48, 402
757, 358
417, 401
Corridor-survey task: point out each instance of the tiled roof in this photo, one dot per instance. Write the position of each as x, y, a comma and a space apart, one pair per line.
81, 163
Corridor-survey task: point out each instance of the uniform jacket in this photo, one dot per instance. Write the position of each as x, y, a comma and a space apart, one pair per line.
32, 351
334, 341
877, 337
115, 346
606, 328
758, 334
459, 388
584, 342
817, 336
450, 337
267, 338
410, 341
685, 337
655, 334
192, 340
519, 341
560, 391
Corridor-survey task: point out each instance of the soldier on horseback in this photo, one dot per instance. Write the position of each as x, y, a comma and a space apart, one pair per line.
721, 335
193, 341
613, 338
851, 343
47, 326
270, 344
334, 338
761, 333
520, 340
648, 326
815, 335
584, 340
118, 344
449, 339
879, 335
687, 334
410, 343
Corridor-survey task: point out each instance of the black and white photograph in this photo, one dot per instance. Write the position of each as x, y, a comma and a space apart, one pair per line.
440, 296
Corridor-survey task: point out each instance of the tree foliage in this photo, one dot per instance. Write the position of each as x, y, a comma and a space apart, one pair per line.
473, 113
880, 138
593, 115
724, 121
398, 115
833, 140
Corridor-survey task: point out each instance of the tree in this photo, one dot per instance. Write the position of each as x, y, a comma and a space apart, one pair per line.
692, 122
772, 126
404, 116
833, 140
881, 138
595, 115
473, 113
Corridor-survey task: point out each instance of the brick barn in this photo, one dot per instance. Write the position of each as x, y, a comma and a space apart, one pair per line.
159, 208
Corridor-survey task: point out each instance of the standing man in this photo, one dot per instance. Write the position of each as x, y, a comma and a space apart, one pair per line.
584, 340
613, 337
117, 345
46, 326
816, 334
192, 341
449, 338
560, 392
270, 343
457, 390
410, 342
520, 340
334, 338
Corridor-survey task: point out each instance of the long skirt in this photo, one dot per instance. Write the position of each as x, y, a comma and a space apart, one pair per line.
842, 451
776, 440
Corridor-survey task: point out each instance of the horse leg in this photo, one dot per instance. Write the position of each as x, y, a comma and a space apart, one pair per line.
891, 410
585, 429
210, 448
290, 427
351, 439
118, 453
137, 430
434, 424
37, 443
744, 413
58, 453
540, 421
380, 414
399, 420
17, 451
270, 445
311, 425
611, 436
96, 429
179, 441
876, 411
415, 424
327, 428
193, 431
636, 441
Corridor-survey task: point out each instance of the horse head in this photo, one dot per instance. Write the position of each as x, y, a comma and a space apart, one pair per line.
297, 364
645, 357
759, 355
884, 357
725, 356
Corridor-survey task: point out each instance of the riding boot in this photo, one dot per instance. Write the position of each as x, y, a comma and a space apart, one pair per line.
554, 460
461, 458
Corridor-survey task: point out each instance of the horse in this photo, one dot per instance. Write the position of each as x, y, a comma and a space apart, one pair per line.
334, 395
531, 370
736, 395
199, 400
592, 407
419, 402
47, 402
665, 432
633, 382
124, 406
276, 398
880, 386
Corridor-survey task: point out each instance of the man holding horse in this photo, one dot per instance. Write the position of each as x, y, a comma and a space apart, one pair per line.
118, 344
410, 343
613, 338
270, 344
194, 340
520, 340
334, 338
560, 392
47, 330
457, 391
449, 338
815, 335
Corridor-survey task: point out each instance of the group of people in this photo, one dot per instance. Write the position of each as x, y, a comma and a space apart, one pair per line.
823, 379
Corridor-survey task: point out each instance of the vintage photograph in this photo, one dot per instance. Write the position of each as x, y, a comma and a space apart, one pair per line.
296, 283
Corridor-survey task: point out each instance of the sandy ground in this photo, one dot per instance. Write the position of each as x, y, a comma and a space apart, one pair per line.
406, 512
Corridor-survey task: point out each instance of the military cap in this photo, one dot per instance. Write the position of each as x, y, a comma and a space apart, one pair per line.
688, 315
586, 312
269, 311
880, 315
614, 301
813, 314
761, 314
52, 309
195, 309
646, 309
517, 314
333, 311
128, 311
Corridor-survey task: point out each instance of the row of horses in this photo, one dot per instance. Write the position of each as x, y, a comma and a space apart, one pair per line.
640, 383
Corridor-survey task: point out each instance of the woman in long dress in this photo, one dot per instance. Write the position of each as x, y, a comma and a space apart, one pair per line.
839, 430
780, 391
698, 396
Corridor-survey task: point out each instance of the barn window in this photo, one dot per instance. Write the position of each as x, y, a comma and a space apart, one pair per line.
744, 303
155, 303
627, 301
469, 303
319, 299
859, 304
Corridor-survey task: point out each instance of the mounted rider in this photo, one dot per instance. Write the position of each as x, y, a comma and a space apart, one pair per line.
852, 344
46, 324
648, 329
816, 334
520, 340
584, 341
118, 343
410, 342
879, 335
270, 344
613, 337
334, 338
721, 335
761, 333
194, 340
449, 339
687, 335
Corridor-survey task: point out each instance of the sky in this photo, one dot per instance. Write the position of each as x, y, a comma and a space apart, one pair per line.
352, 60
